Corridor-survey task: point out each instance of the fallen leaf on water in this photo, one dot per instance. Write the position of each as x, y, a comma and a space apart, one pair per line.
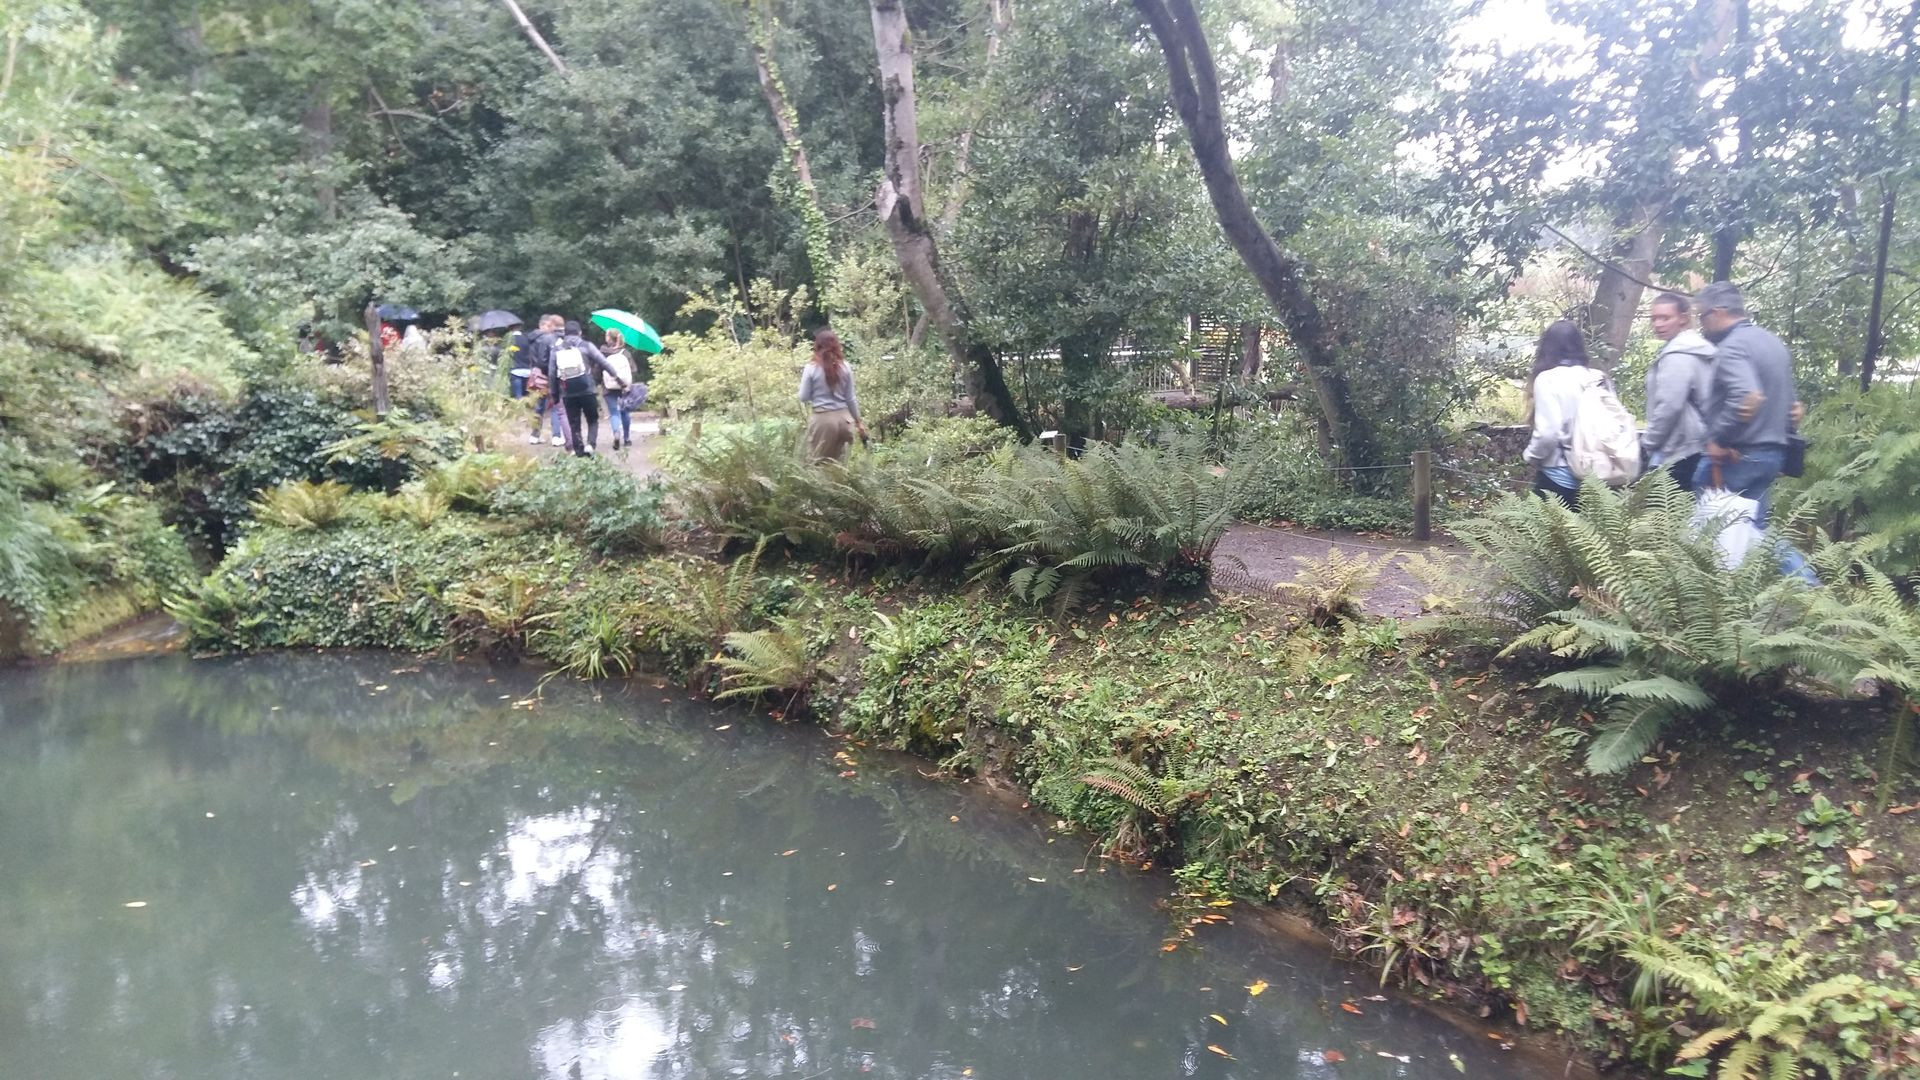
953, 817
1259, 987
864, 1023
1218, 1017
788, 852
135, 903
1040, 880
1221, 1052
1170, 946
676, 987
723, 727
1332, 1057
830, 888
1075, 967
1458, 1065
1352, 1008
719, 922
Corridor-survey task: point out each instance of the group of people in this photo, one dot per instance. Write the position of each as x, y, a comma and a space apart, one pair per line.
1722, 411
568, 376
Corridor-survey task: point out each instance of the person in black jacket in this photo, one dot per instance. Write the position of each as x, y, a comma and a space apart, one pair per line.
574, 371
531, 351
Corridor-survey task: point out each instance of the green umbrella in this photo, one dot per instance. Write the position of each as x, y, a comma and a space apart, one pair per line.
631, 327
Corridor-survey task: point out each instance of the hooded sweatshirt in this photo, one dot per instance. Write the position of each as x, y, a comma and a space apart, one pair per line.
1678, 383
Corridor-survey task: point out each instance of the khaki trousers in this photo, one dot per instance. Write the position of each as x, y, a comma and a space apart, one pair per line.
829, 434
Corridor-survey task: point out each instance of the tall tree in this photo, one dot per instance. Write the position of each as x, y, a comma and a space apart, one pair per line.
1195, 88
901, 204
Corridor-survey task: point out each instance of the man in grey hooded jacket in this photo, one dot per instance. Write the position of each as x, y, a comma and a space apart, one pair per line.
1678, 383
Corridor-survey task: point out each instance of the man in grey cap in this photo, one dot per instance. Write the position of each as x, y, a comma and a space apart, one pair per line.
1751, 405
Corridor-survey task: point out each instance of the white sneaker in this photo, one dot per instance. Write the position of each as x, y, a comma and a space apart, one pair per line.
558, 441
533, 440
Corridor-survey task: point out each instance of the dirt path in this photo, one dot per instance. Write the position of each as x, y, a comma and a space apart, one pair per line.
1254, 558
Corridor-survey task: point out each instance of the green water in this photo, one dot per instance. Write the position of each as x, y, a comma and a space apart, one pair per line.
353, 870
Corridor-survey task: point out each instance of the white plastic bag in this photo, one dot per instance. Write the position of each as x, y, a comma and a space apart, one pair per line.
1733, 514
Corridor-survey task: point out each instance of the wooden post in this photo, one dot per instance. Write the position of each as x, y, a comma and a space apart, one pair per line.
1423, 494
378, 353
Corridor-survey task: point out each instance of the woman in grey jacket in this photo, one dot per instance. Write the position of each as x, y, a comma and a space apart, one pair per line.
826, 388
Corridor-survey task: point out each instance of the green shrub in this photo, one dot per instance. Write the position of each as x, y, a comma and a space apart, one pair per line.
75, 561
1627, 582
1863, 460
585, 499
363, 584
1289, 481
468, 483
303, 504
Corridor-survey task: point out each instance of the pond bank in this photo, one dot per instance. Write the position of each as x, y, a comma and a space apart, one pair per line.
1424, 808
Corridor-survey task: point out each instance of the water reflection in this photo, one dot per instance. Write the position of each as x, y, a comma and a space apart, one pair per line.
355, 869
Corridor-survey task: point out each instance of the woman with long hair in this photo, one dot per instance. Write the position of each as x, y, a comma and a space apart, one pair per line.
616, 384
1553, 393
826, 389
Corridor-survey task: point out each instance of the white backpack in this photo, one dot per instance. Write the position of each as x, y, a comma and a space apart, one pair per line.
569, 363
1606, 441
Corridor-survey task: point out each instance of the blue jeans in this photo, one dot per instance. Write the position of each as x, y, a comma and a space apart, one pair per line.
619, 417
516, 386
1751, 477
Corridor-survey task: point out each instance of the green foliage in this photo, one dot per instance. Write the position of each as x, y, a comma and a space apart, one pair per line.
781, 662
413, 444
589, 499
732, 371
1863, 461
469, 482
1157, 802
1289, 481
502, 609
1057, 524
1626, 580
359, 584
1770, 1020
1332, 588
75, 560
596, 647
303, 504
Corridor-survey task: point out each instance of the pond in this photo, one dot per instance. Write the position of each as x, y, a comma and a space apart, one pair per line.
359, 867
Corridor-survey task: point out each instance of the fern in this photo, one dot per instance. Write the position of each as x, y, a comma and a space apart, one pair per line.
775, 662
303, 504
1334, 587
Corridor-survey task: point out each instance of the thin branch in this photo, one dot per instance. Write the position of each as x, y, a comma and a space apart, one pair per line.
13, 56
533, 35
1613, 266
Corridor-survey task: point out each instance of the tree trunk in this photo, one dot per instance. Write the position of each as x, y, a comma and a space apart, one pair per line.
377, 354
786, 120
533, 35
1195, 88
1616, 296
1876, 328
316, 148
902, 208
1249, 350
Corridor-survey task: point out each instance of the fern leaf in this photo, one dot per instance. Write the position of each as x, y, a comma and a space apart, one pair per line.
1619, 743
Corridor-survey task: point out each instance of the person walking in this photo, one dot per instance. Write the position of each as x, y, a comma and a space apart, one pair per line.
1751, 406
615, 385
571, 365
1554, 384
536, 358
1678, 383
826, 388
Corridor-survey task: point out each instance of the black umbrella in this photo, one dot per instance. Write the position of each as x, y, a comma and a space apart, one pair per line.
396, 313
495, 320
